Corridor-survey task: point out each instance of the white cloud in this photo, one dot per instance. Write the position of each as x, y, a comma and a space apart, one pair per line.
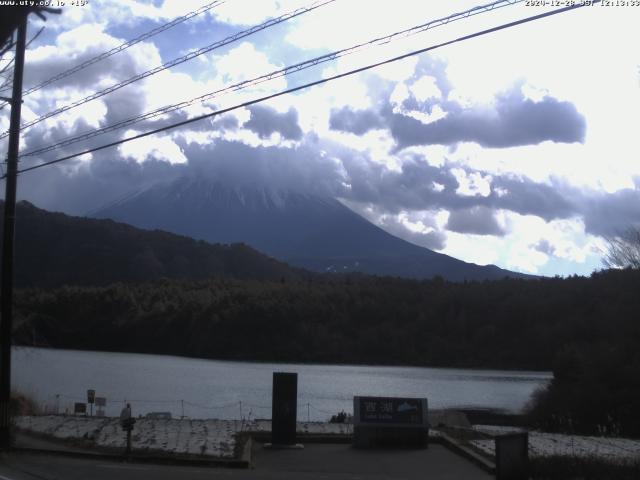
480, 249
472, 184
152, 147
425, 88
249, 12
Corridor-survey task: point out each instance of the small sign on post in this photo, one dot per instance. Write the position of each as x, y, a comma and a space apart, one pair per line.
91, 397
390, 421
79, 408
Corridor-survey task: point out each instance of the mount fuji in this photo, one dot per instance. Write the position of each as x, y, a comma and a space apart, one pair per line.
306, 230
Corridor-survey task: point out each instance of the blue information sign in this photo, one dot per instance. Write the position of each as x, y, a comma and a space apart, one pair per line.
390, 410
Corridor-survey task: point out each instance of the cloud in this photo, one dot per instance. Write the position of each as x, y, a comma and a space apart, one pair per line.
300, 168
419, 112
608, 214
358, 122
80, 44
417, 185
512, 121
527, 197
243, 13
415, 232
544, 246
419, 228
265, 121
79, 187
476, 220
409, 175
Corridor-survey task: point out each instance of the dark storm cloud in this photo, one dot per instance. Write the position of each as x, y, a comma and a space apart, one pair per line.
526, 197
355, 121
512, 120
265, 121
412, 188
300, 169
515, 121
89, 186
477, 220
609, 214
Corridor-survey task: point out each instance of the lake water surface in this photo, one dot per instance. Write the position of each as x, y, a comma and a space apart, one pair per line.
219, 389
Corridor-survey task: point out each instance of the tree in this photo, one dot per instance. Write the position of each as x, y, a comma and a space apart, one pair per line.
623, 249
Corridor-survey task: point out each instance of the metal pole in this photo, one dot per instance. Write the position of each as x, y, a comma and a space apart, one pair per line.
128, 447
6, 299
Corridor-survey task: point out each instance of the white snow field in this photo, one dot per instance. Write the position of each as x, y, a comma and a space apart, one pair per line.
211, 438
542, 444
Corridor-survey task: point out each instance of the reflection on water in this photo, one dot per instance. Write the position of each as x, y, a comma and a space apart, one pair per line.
218, 389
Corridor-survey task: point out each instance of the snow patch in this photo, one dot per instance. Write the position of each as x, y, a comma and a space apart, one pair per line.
615, 450
211, 438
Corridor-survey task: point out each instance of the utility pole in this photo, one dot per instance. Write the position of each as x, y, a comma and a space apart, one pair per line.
6, 299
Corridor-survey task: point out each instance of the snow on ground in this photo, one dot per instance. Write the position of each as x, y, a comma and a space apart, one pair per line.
213, 438
217, 438
550, 444
496, 429
312, 428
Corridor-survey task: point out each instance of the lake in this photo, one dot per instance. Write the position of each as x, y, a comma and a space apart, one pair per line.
199, 388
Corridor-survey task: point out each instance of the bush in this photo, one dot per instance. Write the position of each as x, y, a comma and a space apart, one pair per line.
22, 404
595, 391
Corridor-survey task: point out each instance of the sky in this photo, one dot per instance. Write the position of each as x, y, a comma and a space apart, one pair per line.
518, 148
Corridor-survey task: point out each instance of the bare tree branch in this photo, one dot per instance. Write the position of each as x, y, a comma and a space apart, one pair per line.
623, 249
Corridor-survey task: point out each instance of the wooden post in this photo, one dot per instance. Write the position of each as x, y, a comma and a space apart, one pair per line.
6, 294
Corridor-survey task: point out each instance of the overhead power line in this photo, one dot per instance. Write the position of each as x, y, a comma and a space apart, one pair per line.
124, 46
177, 61
8, 46
311, 84
10, 62
278, 73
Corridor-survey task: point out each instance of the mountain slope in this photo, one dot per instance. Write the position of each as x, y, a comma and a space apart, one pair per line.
53, 249
308, 231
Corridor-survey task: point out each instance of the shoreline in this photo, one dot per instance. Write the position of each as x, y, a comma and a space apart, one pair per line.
542, 373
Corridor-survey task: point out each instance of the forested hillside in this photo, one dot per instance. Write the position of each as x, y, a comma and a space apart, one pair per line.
53, 249
503, 324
